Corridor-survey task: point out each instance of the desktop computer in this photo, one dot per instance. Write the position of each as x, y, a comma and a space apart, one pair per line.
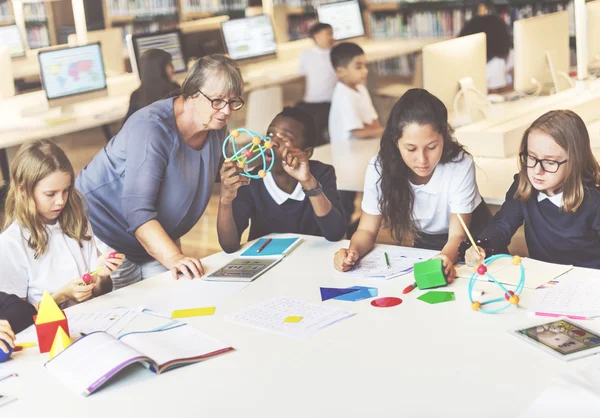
72, 75
593, 27
169, 41
344, 17
541, 51
199, 44
455, 72
11, 36
249, 37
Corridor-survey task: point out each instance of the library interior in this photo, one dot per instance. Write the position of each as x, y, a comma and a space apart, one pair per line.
274, 144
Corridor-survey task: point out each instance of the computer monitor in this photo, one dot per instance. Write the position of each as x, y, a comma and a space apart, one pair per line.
199, 44
593, 27
541, 51
72, 75
169, 41
11, 36
456, 64
344, 17
249, 37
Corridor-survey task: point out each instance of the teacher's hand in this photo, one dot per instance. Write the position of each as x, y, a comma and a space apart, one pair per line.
190, 267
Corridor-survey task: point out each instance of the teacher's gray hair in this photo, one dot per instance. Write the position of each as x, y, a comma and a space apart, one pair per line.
213, 69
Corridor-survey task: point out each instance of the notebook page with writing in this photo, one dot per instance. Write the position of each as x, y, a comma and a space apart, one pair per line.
374, 266
181, 343
577, 293
90, 361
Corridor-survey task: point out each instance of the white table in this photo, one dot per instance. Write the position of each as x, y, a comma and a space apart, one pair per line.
413, 360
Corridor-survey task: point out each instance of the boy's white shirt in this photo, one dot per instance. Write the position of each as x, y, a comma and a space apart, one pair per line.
350, 109
498, 72
27, 277
316, 67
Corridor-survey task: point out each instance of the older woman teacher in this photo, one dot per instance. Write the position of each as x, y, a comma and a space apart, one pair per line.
152, 182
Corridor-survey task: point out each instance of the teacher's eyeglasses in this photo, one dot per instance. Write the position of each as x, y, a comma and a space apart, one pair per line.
218, 104
549, 166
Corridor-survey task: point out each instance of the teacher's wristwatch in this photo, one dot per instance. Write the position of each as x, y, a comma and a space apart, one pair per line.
314, 192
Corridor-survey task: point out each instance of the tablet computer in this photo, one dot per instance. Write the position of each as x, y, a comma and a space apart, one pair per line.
562, 339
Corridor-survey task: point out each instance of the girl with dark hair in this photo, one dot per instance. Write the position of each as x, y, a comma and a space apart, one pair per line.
156, 74
416, 185
500, 64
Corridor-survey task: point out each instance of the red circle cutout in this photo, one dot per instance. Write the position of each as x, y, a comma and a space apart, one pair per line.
386, 302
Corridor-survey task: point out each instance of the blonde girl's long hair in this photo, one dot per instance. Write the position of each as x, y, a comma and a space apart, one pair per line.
583, 172
35, 161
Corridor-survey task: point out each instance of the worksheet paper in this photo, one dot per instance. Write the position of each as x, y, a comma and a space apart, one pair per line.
270, 316
373, 265
576, 293
537, 272
112, 321
191, 294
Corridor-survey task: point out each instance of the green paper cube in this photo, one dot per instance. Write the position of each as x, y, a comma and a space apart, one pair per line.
429, 274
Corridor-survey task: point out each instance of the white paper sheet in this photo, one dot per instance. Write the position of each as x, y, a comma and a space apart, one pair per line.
190, 294
577, 293
112, 321
537, 272
373, 265
270, 315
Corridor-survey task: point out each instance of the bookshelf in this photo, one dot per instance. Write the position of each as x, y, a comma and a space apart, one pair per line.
388, 18
7, 16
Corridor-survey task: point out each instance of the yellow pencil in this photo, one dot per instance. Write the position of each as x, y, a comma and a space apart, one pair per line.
468, 233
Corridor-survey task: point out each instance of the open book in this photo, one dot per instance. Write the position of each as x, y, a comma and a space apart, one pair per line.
92, 360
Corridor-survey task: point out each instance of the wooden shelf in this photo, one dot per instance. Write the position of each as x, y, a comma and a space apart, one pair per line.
185, 16
7, 22
384, 7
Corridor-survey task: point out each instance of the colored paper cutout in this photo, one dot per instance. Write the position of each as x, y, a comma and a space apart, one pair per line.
185, 313
386, 302
433, 297
49, 310
332, 292
361, 293
61, 341
293, 319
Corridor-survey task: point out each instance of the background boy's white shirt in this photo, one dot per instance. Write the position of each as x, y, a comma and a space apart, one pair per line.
316, 67
350, 109
498, 71
23, 275
452, 189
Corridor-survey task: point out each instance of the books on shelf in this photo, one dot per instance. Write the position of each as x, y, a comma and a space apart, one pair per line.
34, 12
38, 37
430, 23
140, 8
212, 6
6, 15
303, 3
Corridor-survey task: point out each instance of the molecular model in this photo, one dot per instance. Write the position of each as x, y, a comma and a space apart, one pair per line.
251, 152
510, 297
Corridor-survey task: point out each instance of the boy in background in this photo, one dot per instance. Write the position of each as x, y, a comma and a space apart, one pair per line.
352, 115
315, 66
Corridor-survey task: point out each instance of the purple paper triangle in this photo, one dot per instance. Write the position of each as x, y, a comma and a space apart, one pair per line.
332, 292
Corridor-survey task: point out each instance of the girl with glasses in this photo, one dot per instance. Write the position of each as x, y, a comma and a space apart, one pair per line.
150, 185
556, 195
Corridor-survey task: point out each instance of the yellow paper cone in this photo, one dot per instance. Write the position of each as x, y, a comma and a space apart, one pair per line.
49, 310
61, 341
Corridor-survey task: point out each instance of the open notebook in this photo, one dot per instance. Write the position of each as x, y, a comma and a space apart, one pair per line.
91, 361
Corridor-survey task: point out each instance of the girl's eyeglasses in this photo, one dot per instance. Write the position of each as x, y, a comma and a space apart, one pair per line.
549, 166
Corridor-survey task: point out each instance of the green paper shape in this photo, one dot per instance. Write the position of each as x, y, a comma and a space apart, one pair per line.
429, 274
433, 297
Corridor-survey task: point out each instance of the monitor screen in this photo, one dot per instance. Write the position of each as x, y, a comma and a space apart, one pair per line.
10, 35
249, 37
344, 17
71, 71
169, 41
